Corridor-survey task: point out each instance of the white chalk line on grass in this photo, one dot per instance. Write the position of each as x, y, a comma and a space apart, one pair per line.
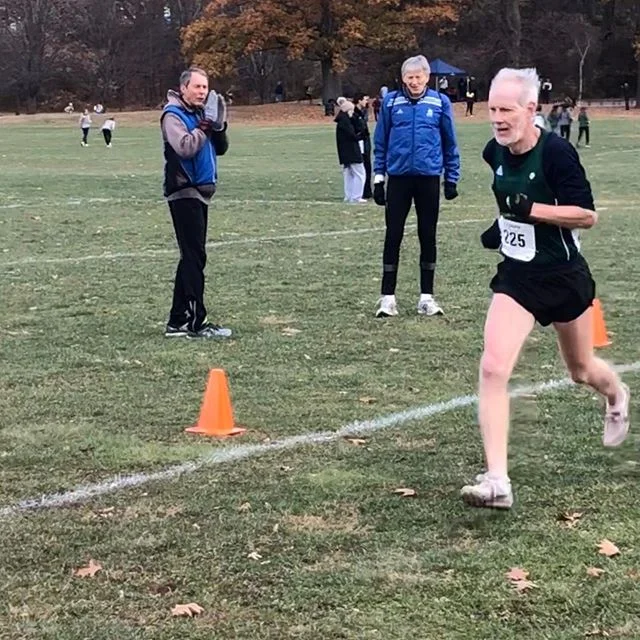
232, 453
221, 200
150, 253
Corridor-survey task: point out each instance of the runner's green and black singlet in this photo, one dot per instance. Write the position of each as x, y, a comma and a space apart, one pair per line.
550, 173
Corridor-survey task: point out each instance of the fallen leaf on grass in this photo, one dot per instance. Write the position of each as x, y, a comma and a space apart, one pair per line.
570, 518
290, 331
607, 548
367, 399
356, 441
634, 574
523, 585
595, 572
516, 573
254, 555
88, 571
191, 609
405, 492
596, 631
245, 506
394, 350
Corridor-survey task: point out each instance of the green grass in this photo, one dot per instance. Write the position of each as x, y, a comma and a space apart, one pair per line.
90, 389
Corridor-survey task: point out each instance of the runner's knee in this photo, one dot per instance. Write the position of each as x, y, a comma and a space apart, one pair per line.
494, 370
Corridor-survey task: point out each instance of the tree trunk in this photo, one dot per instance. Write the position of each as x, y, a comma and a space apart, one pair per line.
638, 80
331, 81
513, 28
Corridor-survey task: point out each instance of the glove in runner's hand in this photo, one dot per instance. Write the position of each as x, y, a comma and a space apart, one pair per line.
491, 238
378, 194
215, 110
515, 206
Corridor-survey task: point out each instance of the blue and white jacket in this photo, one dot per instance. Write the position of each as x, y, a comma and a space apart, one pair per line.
416, 137
190, 154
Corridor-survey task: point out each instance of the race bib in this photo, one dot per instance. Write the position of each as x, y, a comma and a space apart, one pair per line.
518, 239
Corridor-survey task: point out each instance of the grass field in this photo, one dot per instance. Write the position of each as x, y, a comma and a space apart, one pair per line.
308, 542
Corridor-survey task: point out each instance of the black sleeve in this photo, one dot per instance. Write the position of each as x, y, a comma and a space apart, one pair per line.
220, 141
565, 174
346, 126
487, 153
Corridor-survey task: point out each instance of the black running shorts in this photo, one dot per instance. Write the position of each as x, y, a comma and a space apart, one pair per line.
559, 294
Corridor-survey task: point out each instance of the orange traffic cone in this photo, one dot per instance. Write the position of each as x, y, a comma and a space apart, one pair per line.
216, 414
600, 337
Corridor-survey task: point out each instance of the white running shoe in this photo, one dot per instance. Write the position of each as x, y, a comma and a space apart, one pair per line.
427, 306
387, 307
616, 420
489, 491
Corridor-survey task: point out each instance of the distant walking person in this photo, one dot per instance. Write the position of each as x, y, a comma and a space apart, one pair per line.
583, 127
625, 95
470, 98
107, 130
564, 123
194, 135
85, 125
364, 139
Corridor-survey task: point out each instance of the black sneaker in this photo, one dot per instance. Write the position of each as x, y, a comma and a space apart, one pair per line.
176, 332
209, 331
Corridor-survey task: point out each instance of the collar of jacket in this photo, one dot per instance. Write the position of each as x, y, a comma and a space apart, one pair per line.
175, 98
408, 96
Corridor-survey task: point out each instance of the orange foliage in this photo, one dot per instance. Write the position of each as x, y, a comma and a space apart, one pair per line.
318, 29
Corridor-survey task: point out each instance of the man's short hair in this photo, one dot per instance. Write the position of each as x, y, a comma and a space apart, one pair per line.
185, 76
527, 78
416, 62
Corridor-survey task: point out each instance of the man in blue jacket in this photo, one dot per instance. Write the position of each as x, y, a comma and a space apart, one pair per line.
194, 134
415, 143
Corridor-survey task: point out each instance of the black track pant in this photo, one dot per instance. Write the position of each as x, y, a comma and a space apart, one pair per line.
583, 131
190, 224
401, 192
107, 135
367, 193
85, 134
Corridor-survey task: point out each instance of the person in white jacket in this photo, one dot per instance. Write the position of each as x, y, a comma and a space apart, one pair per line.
107, 130
85, 125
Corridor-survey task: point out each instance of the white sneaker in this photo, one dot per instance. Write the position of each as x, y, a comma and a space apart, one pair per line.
387, 307
616, 420
489, 491
427, 306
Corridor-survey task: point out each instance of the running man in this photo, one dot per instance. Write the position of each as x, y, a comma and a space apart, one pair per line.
543, 198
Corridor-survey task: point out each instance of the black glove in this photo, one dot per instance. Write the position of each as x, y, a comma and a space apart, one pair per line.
491, 238
450, 190
378, 194
205, 125
515, 205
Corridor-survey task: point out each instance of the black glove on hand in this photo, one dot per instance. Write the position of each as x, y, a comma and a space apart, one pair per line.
205, 125
450, 190
491, 238
378, 194
516, 206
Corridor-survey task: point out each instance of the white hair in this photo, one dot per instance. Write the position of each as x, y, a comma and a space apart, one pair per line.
528, 79
416, 63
